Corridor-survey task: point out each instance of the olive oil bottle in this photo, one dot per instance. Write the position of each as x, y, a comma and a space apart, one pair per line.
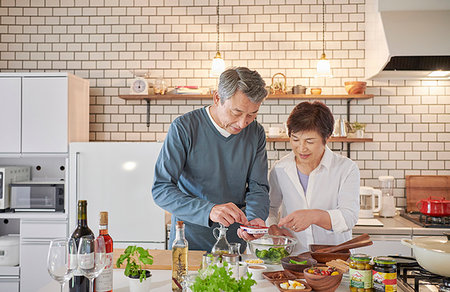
179, 257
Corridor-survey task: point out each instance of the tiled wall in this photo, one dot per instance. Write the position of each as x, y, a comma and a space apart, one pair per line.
102, 40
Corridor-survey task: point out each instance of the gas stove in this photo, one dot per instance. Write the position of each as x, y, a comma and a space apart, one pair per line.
427, 221
411, 277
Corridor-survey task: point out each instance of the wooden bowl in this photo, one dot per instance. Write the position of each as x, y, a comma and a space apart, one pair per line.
355, 87
277, 284
279, 276
323, 257
285, 262
322, 282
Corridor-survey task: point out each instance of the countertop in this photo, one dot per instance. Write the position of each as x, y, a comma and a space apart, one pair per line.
398, 226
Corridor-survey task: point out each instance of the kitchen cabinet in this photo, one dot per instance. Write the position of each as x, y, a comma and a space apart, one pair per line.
43, 112
384, 245
35, 237
9, 279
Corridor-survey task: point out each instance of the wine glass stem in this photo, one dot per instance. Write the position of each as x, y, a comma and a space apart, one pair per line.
91, 285
62, 286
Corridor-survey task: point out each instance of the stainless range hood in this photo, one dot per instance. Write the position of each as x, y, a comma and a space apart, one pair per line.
407, 39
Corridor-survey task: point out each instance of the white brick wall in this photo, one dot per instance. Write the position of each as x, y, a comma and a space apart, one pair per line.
102, 40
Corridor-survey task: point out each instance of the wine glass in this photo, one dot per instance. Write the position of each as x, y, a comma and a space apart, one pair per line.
62, 259
91, 258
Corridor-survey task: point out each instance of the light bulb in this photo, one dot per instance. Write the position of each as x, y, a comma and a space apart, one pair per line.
217, 66
323, 67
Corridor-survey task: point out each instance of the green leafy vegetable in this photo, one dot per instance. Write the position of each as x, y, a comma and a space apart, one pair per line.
215, 278
298, 263
136, 258
274, 254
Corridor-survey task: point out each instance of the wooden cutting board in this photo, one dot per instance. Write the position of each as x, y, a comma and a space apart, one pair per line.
420, 187
162, 259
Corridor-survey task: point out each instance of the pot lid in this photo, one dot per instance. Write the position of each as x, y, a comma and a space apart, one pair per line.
435, 243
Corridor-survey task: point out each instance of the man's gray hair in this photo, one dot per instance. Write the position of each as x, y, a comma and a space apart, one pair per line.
241, 78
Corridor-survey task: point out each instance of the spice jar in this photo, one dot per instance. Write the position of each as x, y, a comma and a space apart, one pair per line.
360, 273
385, 274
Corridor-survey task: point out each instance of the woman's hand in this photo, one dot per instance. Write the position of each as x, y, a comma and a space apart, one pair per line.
275, 230
301, 219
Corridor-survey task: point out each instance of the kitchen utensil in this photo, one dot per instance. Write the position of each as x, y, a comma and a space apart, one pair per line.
287, 265
434, 207
367, 201
277, 284
388, 200
278, 276
432, 253
362, 237
420, 187
355, 87
61, 260
323, 257
350, 245
316, 91
272, 248
298, 89
322, 282
221, 246
256, 271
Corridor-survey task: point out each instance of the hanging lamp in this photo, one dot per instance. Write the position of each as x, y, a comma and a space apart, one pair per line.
218, 64
323, 65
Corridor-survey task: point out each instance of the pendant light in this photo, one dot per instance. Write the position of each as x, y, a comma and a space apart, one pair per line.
323, 65
218, 64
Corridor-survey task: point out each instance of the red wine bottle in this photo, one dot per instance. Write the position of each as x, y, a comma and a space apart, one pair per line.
80, 283
104, 282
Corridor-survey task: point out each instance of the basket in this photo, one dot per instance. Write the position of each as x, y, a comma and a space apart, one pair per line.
277, 86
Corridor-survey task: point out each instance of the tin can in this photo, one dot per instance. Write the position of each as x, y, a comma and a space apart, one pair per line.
360, 273
384, 274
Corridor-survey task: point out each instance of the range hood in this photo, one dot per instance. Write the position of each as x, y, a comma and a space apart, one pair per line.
407, 39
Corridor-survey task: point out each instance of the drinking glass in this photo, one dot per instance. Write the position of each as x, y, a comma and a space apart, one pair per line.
91, 258
62, 259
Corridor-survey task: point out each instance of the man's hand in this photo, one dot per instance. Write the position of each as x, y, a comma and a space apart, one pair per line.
227, 214
255, 222
275, 230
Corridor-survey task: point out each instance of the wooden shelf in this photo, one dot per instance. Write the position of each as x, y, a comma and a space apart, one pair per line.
271, 96
332, 139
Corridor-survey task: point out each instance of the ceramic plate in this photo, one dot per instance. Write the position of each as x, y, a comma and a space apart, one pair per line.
255, 229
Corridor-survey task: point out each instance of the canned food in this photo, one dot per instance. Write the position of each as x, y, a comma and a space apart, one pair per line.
360, 273
384, 274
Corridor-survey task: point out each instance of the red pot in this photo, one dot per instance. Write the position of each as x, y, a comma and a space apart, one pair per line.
434, 207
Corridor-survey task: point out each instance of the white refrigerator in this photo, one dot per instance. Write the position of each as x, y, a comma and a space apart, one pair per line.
117, 177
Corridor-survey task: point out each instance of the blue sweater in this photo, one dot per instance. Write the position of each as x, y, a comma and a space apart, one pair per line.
198, 168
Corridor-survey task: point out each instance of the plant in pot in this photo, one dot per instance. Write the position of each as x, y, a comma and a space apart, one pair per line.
136, 258
357, 129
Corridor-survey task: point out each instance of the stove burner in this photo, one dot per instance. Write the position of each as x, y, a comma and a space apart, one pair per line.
445, 287
428, 221
434, 220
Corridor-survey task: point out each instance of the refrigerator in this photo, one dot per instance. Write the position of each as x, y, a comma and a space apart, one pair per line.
117, 177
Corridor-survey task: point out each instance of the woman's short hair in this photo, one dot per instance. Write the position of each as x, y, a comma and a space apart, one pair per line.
311, 116
241, 78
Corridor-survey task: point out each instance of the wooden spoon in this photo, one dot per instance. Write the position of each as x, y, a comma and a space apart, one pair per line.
361, 237
350, 245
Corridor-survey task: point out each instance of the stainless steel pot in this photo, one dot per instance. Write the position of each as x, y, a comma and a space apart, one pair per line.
432, 253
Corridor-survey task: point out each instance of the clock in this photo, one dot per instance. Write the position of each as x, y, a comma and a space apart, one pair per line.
139, 86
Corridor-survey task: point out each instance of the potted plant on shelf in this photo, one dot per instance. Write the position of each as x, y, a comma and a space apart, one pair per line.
136, 258
358, 129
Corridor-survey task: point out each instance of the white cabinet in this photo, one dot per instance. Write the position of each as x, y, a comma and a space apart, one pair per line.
384, 245
47, 110
10, 114
9, 279
35, 237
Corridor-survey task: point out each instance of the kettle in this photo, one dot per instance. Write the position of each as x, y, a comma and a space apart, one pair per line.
367, 202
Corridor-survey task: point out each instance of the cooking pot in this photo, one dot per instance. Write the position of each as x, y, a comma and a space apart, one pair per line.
432, 253
434, 207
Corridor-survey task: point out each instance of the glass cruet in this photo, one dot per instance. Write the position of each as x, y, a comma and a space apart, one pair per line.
221, 246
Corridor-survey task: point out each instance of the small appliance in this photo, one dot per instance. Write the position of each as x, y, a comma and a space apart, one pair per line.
8, 175
387, 198
37, 196
367, 202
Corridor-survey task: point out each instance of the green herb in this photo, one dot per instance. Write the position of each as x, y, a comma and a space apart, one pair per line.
136, 258
298, 263
274, 254
215, 278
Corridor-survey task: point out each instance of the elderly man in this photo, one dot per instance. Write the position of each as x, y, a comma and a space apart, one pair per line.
213, 165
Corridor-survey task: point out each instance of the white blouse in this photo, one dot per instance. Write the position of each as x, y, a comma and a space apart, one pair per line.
333, 186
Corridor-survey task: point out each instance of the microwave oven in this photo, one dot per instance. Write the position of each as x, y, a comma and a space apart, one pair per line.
8, 175
37, 196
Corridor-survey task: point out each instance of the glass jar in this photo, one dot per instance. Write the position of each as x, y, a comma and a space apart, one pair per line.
385, 274
221, 246
360, 273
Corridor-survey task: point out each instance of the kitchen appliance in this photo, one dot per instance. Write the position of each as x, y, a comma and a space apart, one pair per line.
9, 250
368, 203
37, 196
387, 198
8, 175
117, 177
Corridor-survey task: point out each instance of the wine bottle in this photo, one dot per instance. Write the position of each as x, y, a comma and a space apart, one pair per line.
104, 282
179, 256
79, 283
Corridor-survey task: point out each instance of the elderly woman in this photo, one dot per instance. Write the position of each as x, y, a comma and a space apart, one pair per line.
317, 190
